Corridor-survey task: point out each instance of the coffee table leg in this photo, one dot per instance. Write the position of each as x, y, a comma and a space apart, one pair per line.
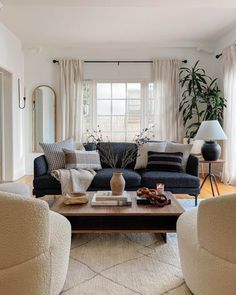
164, 236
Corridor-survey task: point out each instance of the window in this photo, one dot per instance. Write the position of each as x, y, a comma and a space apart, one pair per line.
120, 110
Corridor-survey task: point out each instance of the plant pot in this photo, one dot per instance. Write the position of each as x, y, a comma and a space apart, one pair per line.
117, 183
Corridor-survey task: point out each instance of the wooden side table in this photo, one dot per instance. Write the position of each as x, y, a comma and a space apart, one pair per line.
211, 176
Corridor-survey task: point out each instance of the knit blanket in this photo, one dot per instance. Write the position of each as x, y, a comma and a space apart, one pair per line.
73, 180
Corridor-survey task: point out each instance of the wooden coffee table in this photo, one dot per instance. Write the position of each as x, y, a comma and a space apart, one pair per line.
135, 219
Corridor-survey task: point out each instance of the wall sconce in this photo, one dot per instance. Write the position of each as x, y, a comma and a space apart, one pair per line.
19, 96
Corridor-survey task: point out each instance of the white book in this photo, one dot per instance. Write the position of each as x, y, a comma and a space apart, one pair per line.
95, 203
107, 196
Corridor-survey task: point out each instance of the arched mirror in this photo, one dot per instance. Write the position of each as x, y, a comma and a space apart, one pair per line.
44, 116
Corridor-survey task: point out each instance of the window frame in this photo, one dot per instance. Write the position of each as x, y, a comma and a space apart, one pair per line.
144, 97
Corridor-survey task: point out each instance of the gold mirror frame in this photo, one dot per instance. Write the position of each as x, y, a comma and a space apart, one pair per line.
33, 114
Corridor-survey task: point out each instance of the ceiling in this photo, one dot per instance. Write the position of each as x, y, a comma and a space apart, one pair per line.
123, 23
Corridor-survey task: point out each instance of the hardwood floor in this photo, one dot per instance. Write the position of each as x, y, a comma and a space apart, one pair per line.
205, 192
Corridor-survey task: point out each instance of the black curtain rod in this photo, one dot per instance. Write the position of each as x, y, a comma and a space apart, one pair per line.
219, 55
117, 61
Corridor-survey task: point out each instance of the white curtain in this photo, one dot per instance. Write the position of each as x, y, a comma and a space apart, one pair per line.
229, 66
167, 99
70, 107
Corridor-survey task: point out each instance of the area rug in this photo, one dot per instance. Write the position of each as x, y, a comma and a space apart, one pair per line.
125, 264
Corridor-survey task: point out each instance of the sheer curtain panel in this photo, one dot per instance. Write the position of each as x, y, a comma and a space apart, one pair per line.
167, 99
229, 66
70, 107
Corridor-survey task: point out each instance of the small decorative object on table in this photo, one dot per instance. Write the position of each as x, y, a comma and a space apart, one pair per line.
75, 199
117, 184
160, 188
151, 196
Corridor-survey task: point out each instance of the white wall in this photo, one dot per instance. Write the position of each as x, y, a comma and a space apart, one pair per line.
39, 69
12, 60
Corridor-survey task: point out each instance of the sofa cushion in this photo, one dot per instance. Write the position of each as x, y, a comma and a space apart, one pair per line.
77, 159
54, 153
170, 179
121, 150
142, 158
46, 182
90, 146
171, 162
103, 177
180, 148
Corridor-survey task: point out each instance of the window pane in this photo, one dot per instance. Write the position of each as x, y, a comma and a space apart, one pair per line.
103, 90
131, 136
106, 136
118, 90
118, 123
134, 107
104, 107
133, 123
118, 136
104, 123
118, 107
133, 90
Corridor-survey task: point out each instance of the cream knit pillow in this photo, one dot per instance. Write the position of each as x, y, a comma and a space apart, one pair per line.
185, 149
142, 157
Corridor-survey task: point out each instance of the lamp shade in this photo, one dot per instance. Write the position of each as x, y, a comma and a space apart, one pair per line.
210, 131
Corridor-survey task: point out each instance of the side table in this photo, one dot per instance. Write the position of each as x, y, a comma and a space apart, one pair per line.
211, 176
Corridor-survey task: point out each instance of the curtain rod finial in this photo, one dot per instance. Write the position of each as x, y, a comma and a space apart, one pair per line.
218, 55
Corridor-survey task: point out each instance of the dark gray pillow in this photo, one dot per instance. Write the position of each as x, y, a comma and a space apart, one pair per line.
171, 162
54, 153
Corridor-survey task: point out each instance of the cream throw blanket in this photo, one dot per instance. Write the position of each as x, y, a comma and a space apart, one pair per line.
73, 180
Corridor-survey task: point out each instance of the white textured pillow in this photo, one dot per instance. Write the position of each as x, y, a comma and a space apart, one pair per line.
79, 146
54, 153
185, 149
142, 158
82, 159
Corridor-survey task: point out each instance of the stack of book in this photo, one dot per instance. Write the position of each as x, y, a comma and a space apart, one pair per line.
105, 198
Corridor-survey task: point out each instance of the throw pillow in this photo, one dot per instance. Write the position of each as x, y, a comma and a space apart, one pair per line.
82, 159
181, 148
165, 161
142, 158
54, 153
79, 146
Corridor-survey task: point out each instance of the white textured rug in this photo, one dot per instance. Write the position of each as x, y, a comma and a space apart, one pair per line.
125, 264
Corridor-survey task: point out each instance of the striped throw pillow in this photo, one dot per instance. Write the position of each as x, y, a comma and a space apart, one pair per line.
54, 153
165, 161
82, 159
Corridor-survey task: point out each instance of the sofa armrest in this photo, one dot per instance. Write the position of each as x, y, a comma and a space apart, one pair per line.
60, 241
192, 166
216, 225
40, 166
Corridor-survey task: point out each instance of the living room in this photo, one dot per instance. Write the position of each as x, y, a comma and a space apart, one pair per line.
117, 147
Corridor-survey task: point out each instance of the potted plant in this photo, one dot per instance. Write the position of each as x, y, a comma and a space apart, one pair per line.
201, 99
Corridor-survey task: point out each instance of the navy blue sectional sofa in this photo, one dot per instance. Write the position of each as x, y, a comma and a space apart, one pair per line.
179, 183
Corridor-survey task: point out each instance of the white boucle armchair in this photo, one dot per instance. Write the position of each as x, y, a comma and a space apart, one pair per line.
34, 246
207, 246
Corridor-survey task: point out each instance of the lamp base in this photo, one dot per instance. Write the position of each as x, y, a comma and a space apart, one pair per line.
211, 151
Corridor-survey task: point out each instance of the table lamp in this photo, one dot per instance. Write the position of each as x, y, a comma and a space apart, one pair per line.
210, 131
